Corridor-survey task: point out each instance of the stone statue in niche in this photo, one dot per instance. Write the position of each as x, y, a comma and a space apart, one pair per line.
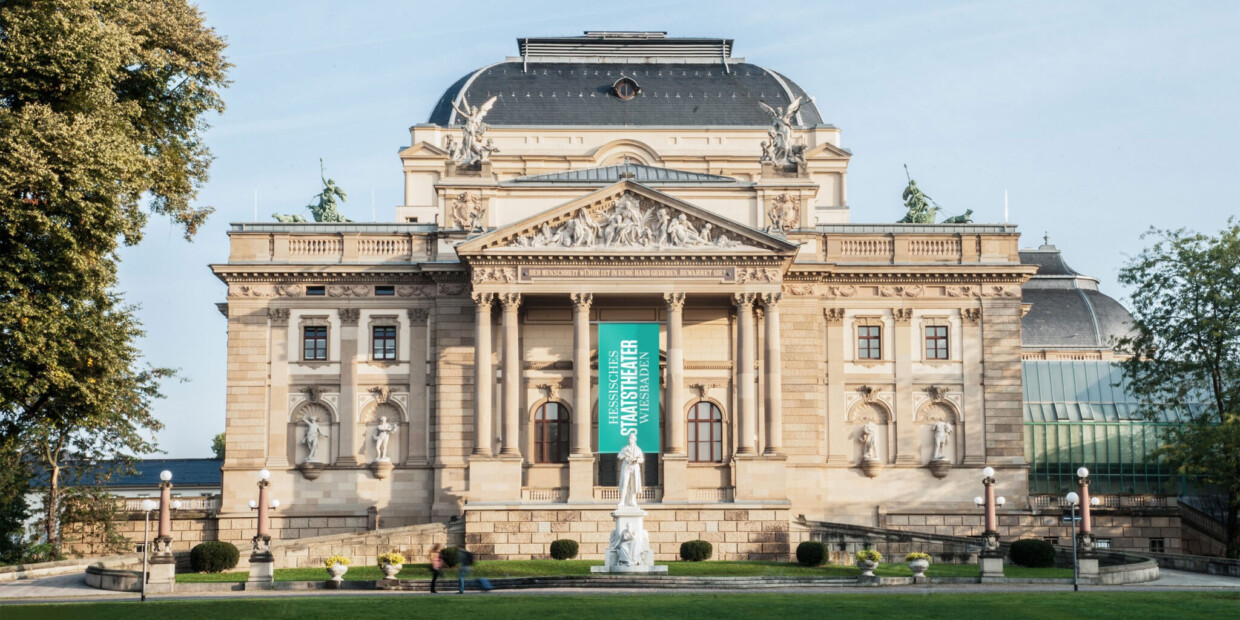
383, 432
631, 461
869, 442
942, 430
311, 438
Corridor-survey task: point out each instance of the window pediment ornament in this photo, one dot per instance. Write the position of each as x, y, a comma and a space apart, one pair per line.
630, 222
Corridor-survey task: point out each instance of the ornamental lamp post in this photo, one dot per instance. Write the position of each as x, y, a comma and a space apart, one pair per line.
147, 506
163, 562
262, 564
1084, 556
1073, 499
991, 558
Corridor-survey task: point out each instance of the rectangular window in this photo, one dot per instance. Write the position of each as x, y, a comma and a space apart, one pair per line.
385, 291
316, 291
936, 342
1102, 543
314, 343
384, 342
1158, 545
870, 342
1054, 540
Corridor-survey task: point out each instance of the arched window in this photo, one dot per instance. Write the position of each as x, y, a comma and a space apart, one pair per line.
705, 433
551, 433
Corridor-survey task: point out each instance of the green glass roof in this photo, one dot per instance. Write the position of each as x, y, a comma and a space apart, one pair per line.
1081, 391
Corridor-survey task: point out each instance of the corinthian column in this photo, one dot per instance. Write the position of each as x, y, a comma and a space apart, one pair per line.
675, 373
774, 376
512, 375
744, 372
581, 373
484, 374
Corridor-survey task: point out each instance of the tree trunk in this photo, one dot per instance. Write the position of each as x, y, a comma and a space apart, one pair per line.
53, 497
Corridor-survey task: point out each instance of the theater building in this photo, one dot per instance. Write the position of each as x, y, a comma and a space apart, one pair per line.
811, 361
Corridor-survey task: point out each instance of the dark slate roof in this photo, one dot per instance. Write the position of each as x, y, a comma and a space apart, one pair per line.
185, 472
1068, 310
614, 174
579, 93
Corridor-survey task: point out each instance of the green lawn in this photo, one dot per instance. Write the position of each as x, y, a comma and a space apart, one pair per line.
953, 606
549, 568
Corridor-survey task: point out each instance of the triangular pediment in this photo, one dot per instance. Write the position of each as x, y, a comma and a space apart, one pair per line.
627, 218
422, 149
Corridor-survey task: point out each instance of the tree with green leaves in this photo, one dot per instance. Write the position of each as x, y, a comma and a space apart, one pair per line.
1185, 354
102, 107
217, 446
14, 510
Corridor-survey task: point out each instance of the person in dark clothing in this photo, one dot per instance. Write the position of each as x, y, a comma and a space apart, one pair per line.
465, 567
436, 565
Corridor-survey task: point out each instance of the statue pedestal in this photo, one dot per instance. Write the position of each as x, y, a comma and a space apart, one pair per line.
629, 550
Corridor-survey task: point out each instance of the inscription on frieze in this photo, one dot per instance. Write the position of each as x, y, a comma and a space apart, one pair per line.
725, 274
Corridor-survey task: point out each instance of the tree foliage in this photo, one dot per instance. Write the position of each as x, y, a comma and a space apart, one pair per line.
102, 105
217, 446
1185, 350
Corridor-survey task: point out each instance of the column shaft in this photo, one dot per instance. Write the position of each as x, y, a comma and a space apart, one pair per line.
484, 374
581, 374
675, 373
512, 376
745, 373
774, 376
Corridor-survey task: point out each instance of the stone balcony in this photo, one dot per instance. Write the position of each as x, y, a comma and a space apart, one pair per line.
946, 244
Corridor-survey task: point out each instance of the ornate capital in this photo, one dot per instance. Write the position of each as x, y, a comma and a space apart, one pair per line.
771, 300
582, 301
835, 316
349, 316
483, 300
971, 316
744, 301
675, 301
278, 316
902, 315
511, 301
418, 316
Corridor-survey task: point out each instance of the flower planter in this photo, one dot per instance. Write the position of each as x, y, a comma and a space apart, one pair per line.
390, 570
867, 567
919, 567
337, 572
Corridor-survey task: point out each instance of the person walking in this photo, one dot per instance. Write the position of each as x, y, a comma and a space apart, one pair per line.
436, 565
465, 569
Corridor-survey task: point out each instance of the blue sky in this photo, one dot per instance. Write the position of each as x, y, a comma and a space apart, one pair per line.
1100, 119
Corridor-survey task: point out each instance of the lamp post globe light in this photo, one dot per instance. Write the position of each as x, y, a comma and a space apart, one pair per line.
163, 564
1072, 499
991, 558
1085, 561
262, 563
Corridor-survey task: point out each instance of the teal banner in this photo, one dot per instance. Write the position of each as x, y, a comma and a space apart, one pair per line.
628, 355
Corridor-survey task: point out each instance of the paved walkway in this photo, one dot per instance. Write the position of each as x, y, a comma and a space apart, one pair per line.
72, 588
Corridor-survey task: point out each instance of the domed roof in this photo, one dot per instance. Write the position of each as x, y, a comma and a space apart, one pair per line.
572, 81
1068, 311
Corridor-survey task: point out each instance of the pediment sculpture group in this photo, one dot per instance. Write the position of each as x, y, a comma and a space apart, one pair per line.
625, 224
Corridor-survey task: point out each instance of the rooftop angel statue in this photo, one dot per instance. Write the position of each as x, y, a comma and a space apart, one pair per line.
473, 148
780, 149
325, 209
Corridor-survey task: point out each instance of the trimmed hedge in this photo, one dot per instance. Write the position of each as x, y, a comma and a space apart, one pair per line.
1033, 553
563, 549
213, 556
695, 550
811, 553
448, 555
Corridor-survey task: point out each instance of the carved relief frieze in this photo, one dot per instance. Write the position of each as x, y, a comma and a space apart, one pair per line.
846, 290
494, 274
784, 214
629, 221
266, 290
901, 291
414, 290
452, 289
758, 274
468, 212
799, 289
348, 290
988, 290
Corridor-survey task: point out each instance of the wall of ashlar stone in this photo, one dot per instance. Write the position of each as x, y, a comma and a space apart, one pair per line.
1128, 532
737, 533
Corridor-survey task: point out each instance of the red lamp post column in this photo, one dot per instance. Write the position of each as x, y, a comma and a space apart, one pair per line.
262, 564
991, 557
163, 563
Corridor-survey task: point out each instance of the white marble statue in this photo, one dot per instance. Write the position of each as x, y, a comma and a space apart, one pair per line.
631, 461
942, 430
311, 438
779, 149
473, 149
869, 441
383, 432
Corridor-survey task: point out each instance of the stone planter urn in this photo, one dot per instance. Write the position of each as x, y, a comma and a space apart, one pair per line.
337, 572
390, 570
919, 567
940, 468
871, 467
867, 567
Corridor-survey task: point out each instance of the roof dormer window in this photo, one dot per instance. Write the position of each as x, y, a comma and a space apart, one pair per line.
625, 88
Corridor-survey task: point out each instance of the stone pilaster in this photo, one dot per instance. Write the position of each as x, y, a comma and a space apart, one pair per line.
349, 446
972, 431
906, 435
675, 459
838, 450
1005, 444
581, 457
277, 405
484, 375
418, 437
746, 414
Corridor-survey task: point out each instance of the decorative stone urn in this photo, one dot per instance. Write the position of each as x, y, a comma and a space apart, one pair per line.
940, 467
337, 572
919, 567
871, 467
390, 570
867, 567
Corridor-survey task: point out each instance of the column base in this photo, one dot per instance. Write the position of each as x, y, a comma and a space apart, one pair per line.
1087, 569
262, 571
494, 480
163, 571
581, 479
760, 479
992, 567
675, 478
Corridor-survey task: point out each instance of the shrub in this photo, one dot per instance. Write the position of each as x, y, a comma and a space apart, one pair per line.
391, 557
1033, 553
869, 555
214, 556
695, 550
448, 555
917, 555
336, 559
564, 549
811, 553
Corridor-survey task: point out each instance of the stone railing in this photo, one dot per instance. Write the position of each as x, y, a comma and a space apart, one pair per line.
554, 495
1057, 502
207, 503
350, 242
723, 494
919, 243
612, 494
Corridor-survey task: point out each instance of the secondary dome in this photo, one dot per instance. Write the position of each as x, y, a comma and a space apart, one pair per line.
1068, 311
573, 81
